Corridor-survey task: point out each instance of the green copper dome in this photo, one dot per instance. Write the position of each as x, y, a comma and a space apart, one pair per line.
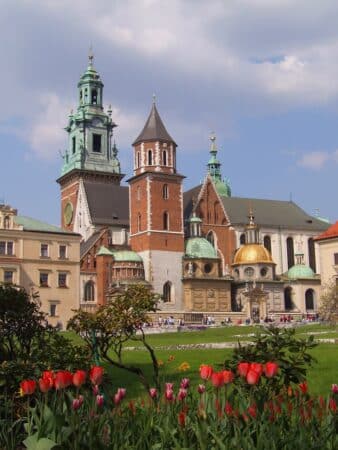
198, 247
127, 256
300, 271
222, 188
103, 251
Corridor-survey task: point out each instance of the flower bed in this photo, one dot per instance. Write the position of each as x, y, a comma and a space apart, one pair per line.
248, 408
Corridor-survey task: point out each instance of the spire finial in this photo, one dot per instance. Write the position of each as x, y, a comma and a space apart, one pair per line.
90, 55
213, 141
154, 99
251, 216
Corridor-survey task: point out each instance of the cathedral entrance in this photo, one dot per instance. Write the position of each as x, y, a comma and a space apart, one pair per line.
256, 297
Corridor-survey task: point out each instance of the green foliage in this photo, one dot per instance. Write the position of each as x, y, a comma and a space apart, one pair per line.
329, 303
119, 321
281, 346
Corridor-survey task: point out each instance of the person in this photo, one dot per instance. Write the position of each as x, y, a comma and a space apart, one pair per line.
160, 321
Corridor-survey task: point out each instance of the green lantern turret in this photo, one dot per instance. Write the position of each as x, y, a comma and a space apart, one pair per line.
214, 170
90, 129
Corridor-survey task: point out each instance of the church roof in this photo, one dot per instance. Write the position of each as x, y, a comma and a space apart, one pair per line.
331, 232
87, 245
299, 271
199, 247
154, 129
29, 224
271, 213
108, 203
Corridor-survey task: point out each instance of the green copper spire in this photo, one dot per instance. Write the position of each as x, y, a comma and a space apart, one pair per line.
90, 128
214, 169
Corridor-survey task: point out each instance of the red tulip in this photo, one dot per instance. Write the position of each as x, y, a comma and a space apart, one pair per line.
201, 388
169, 395
252, 410
334, 388
96, 375
169, 386
228, 409
206, 371
181, 418
63, 379
217, 379
121, 392
79, 378
153, 392
332, 405
270, 369
44, 385
303, 387
48, 375
182, 393
28, 387
77, 402
243, 369
228, 376
252, 377
256, 367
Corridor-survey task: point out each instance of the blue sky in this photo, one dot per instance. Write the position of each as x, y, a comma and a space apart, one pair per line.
261, 74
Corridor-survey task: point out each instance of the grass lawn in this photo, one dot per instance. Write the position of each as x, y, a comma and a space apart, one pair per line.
320, 376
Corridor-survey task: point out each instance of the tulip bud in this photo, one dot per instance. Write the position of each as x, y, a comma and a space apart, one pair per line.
169, 395
185, 383
99, 400
334, 388
182, 393
153, 392
201, 388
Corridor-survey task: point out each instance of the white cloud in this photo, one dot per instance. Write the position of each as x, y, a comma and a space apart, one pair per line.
316, 160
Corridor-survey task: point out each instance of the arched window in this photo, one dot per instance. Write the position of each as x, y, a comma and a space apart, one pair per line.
165, 192
6, 222
309, 300
164, 157
150, 158
138, 162
139, 222
242, 239
165, 221
288, 298
312, 255
89, 291
81, 94
167, 292
94, 96
290, 252
267, 243
86, 95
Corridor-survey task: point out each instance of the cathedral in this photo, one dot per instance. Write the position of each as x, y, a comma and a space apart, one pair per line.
206, 252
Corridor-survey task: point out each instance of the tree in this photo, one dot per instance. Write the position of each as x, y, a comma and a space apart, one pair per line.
120, 320
329, 302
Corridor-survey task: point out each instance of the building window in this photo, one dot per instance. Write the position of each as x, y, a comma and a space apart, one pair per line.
249, 272
290, 252
89, 291
44, 251
6, 222
8, 276
138, 222
207, 268
138, 193
62, 279
73, 144
165, 192
335, 259
94, 97
309, 300
164, 157
167, 292
165, 221
150, 158
312, 255
267, 243
63, 251
97, 143
288, 298
7, 248
43, 279
242, 239
264, 271
52, 310
138, 159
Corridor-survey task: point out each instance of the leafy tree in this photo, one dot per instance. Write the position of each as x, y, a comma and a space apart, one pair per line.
329, 302
120, 320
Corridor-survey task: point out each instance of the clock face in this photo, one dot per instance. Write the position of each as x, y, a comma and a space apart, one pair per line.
68, 213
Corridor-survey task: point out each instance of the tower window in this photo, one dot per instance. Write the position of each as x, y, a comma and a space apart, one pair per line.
138, 160
94, 97
267, 242
242, 239
97, 143
139, 222
167, 292
150, 158
73, 144
165, 221
89, 292
81, 95
165, 192
86, 95
164, 157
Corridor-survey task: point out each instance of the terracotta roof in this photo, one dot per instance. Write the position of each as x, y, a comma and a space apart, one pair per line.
331, 232
154, 129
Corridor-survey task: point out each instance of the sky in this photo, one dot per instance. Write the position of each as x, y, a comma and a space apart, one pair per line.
261, 74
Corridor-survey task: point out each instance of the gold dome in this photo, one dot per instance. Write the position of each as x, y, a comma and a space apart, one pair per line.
252, 254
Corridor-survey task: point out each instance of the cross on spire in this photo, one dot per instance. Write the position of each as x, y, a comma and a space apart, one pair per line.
90, 55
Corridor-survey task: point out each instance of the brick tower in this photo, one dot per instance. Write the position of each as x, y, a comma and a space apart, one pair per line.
90, 155
156, 210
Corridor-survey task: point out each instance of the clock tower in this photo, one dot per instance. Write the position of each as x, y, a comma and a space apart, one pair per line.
90, 155
156, 210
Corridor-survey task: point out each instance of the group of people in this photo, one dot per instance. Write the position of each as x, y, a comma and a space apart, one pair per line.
169, 321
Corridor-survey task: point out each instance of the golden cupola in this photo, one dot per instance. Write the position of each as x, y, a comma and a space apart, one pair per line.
252, 252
